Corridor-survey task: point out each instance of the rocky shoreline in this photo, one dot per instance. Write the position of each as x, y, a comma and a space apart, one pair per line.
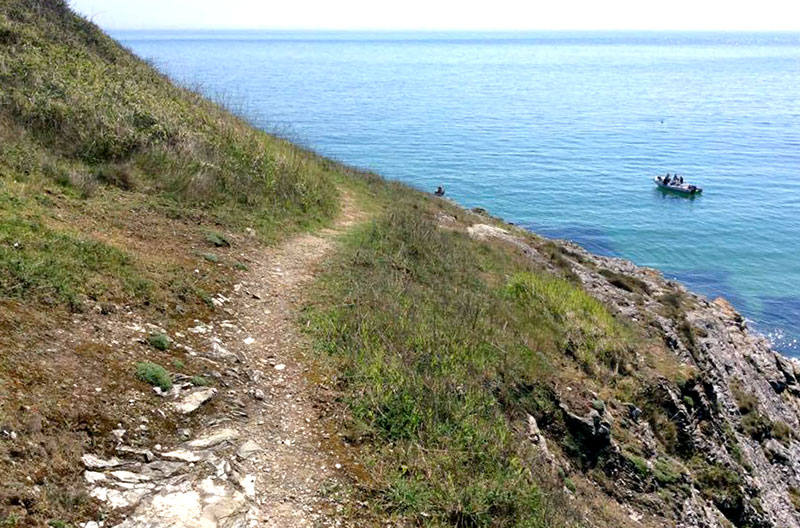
740, 410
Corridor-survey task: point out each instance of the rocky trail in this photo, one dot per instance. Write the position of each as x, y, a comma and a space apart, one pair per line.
261, 457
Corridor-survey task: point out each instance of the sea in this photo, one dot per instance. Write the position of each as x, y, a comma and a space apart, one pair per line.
559, 132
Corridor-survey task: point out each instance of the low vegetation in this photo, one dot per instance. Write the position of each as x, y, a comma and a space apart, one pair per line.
159, 341
444, 345
154, 374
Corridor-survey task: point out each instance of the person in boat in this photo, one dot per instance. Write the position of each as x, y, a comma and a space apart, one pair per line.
439, 191
666, 180
681, 180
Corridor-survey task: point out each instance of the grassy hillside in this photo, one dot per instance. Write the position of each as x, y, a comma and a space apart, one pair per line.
121, 196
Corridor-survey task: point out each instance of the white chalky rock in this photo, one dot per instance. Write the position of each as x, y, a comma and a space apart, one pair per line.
182, 455
248, 449
95, 462
194, 400
93, 477
248, 484
129, 476
212, 439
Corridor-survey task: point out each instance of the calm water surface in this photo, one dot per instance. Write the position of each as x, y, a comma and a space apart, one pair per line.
559, 132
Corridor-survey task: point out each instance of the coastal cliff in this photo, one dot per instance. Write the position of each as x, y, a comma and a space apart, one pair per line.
205, 325
732, 413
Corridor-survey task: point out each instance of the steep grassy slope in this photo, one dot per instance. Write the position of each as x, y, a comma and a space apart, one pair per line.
83, 119
122, 196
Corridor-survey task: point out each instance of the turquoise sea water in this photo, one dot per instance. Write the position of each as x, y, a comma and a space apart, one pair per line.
559, 132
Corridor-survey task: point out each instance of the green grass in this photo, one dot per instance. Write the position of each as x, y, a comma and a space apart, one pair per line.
159, 341
200, 381
154, 374
90, 102
443, 345
86, 125
40, 263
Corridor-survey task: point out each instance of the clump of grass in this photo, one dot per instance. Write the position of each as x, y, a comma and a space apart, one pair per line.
754, 423
9, 521
587, 330
638, 464
666, 471
200, 381
210, 257
159, 341
626, 282
557, 256
723, 486
241, 266
217, 239
154, 374
782, 432
177, 364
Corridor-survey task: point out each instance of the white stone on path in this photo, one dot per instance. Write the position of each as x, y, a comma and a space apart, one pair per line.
182, 455
94, 462
193, 401
212, 439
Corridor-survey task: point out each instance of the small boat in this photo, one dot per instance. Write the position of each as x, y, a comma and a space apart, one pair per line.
683, 188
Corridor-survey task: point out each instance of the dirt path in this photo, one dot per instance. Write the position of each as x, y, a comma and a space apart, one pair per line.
260, 458
293, 466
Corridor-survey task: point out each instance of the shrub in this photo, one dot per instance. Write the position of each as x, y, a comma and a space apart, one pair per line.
217, 239
154, 374
625, 282
159, 341
200, 381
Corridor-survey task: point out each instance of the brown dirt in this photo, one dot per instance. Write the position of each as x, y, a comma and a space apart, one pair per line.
67, 379
300, 460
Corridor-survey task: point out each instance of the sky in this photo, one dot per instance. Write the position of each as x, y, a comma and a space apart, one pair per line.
714, 15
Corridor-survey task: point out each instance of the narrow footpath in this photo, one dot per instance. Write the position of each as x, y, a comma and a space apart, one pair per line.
261, 460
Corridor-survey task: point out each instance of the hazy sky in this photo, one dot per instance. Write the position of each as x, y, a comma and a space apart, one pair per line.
761, 15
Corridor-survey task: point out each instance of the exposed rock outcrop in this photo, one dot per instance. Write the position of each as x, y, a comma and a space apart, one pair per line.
738, 414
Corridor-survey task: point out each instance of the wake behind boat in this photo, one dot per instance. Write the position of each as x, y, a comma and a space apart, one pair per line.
675, 183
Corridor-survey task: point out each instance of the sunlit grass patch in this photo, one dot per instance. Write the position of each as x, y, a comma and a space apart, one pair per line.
440, 352
41, 263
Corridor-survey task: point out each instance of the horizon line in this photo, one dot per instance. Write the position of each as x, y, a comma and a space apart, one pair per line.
450, 30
